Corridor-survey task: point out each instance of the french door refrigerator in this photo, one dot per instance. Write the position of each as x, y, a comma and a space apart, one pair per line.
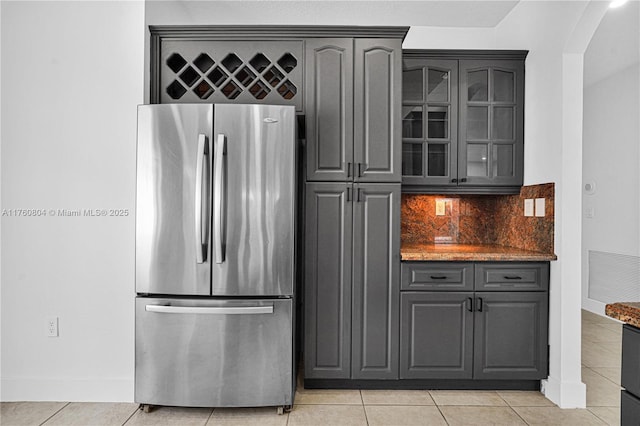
215, 255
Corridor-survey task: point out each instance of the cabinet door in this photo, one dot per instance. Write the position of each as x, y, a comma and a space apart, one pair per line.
510, 335
429, 122
377, 101
328, 235
329, 107
436, 335
491, 136
376, 281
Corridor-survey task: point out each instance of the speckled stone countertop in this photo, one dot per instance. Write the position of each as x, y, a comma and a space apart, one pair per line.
628, 312
470, 252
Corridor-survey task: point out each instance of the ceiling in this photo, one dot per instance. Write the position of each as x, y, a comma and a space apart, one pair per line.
434, 13
615, 44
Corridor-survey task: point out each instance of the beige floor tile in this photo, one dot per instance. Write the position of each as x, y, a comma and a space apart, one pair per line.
27, 413
549, 416
171, 416
588, 316
525, 399
396, 397
609, 415
385, 415
481, 416
597, 355
93, 413
595, 333
266, 416
343, 415
328, 396
488, 398
612, 374
601, 392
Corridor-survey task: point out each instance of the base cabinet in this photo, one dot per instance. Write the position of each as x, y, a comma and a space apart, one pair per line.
630, 377
351, 289
484, 335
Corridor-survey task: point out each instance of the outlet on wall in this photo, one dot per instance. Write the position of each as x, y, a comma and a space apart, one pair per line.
52, 327
528, 207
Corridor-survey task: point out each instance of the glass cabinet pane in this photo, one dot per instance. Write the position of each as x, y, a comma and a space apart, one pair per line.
411, 159
477, 122
438, 86
437, 159
502, 123
503, 87
503, 160
412, 122
412, 85
438, 122
478, 83
477, 162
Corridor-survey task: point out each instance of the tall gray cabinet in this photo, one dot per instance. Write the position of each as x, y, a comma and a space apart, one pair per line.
352, 205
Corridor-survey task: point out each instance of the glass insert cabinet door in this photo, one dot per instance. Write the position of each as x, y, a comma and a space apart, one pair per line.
429, 121
491, 100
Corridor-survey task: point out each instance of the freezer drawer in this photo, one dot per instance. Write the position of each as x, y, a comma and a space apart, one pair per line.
214, 353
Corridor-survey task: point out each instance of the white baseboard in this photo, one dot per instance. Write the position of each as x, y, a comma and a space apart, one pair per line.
565, 394
67, 389
593, 306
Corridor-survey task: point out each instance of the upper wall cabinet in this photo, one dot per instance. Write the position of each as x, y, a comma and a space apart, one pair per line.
353, 110
463, 121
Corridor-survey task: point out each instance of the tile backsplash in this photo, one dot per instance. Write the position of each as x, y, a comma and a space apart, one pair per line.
480, 219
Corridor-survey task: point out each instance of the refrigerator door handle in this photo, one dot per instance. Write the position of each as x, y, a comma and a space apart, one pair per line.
208, 310
218, 197
202, 154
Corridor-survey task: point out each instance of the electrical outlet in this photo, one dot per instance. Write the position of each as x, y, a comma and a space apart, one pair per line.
528, 207
52, 327
440, 207
540, 207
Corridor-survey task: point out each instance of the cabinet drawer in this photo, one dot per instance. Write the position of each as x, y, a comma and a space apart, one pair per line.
631, 359
440, 276
512, 276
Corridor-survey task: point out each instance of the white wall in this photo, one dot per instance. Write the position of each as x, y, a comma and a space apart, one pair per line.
72, 75
612, 140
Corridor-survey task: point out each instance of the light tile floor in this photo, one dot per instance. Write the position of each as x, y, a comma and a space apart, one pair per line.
601, 347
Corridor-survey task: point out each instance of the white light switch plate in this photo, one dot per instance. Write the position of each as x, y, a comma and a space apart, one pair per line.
440, 207
539, 207
528, 207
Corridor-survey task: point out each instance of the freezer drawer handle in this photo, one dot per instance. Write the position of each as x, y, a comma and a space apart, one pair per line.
201, 243
218, 197
210, 310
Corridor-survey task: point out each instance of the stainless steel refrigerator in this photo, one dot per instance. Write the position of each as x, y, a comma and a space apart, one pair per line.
215, 255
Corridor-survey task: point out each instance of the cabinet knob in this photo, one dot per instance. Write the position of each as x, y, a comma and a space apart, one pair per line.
463, 180
454, 180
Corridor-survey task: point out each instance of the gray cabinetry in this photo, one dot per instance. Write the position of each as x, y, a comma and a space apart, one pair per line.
463, 121
351, 287
353, 104
510, 336
230, 71
436, 335
376, 267
377, 97
329, 107
630, 377
328, 240
491, 141
494, 331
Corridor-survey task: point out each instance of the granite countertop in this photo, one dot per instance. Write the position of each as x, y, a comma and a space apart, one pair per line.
627, 312
469, 252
